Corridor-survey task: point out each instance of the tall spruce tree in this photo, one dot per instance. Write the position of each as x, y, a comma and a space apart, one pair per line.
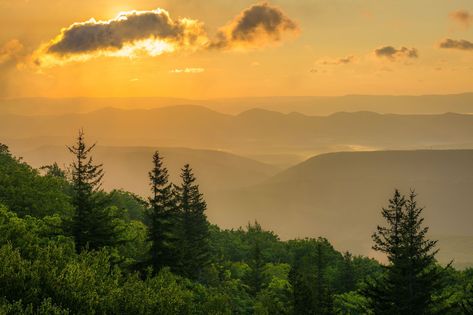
162, 218
411, 278
194, 233
92, 224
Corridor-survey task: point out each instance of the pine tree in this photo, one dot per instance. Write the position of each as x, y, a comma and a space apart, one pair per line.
92, 225
422, 278
254, 278
411, 277
311, 290
194, 232
162, 217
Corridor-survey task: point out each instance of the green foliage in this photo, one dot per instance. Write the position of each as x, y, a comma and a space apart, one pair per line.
163, 218
92, 225
133, 206
197, 268
194, 229
25, 191
313, 275
276, 295
254, 278
412, 278
236, 245
351, 303
54, 170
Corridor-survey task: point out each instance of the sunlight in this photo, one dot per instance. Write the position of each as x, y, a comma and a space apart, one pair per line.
152, 47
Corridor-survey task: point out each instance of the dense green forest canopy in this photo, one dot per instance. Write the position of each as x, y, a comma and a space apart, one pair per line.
68, 247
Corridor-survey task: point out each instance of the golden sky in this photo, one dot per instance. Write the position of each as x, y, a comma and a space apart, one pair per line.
221, 48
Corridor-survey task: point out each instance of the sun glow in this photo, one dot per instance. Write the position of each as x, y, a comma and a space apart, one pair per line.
151, 47
147, 47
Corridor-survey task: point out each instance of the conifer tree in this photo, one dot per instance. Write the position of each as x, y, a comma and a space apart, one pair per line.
162, 217
467, 304
92, 225
411, 278
323, 299
53, 170
194, 232
256, 263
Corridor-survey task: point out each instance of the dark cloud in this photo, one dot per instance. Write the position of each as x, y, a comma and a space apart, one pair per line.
462, 17
255, 26
126, 29
456, 44
154, 32
396, 54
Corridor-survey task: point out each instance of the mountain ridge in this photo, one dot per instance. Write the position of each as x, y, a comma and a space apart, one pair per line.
311, 105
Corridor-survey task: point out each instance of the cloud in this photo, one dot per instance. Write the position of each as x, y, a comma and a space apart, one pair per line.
12, 50
12, 56
154, 32
462, 17
394, 54
338, 61
259, 25
456, 44
188, 70
130, 33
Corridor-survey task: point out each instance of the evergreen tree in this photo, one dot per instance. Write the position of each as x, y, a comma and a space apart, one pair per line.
194, 232
162, 218
301, 291
323, 299
411, 278
467, 304
92, 224
53, 170
347, 273
255, 277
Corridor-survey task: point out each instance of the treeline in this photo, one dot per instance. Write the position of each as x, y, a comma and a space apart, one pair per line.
68, 247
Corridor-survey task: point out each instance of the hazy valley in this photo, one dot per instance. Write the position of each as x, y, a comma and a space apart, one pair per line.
272, 167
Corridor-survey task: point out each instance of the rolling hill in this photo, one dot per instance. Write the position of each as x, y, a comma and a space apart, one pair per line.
335, 195
128, 167
340, 195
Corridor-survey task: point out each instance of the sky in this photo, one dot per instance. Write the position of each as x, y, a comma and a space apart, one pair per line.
220, 48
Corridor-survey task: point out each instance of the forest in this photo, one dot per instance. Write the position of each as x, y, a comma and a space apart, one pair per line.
67, 246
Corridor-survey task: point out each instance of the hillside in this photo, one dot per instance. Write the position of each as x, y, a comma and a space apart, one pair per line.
347, 190
128, 167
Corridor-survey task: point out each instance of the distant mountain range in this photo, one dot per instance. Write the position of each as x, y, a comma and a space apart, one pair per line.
309, 105
270, 166
265, 135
